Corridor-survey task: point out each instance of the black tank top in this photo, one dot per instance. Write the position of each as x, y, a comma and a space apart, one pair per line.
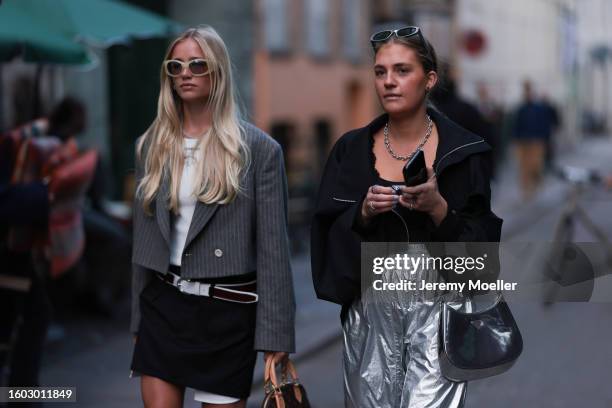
402, 224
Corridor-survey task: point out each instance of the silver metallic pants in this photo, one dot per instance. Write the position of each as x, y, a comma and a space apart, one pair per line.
391, 350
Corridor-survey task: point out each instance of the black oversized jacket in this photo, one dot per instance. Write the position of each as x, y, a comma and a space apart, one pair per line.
463, 169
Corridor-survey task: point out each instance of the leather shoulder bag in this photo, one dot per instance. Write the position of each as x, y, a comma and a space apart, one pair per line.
475, 345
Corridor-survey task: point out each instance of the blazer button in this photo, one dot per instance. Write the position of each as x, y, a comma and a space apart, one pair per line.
218, 253
187, 253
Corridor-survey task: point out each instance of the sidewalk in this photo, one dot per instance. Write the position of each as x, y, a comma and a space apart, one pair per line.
507, 200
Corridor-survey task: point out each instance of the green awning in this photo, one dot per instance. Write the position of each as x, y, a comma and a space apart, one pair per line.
19, 35
60, 31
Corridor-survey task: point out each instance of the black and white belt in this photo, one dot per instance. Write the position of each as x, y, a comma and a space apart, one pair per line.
243, 292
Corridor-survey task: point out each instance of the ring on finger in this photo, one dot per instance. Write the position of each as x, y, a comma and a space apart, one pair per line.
371, 205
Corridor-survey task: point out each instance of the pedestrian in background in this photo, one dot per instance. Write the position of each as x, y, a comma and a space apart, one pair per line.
447, 100
493, 114
32, 241
532, 127
391, 343
24, 312
212, 281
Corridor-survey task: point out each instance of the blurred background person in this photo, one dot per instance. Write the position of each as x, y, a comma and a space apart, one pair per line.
24, 304
493, 114
446, 98
100, 277
42, 184
531, 133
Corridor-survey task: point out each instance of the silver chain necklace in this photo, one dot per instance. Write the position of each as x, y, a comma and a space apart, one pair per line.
190, 153
406, 158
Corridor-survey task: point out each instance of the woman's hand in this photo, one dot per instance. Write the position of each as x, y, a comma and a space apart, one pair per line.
426, 198
279, 357
378, 200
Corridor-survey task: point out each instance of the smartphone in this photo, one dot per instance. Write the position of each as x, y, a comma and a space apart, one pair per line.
415, 171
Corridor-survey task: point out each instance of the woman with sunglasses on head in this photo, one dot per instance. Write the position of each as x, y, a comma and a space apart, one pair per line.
212, 282
390, 338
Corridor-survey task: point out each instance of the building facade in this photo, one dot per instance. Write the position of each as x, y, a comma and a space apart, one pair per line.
499, 45
312, 77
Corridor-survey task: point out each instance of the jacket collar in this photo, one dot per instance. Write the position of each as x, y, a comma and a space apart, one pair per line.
455, 144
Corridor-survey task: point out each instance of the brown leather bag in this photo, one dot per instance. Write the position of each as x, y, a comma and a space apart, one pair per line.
289, 393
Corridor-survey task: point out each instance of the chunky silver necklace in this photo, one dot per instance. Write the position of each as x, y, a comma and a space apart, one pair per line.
406, 158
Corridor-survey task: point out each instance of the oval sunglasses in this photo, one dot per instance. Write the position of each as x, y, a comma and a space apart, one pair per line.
197, 67
403, 32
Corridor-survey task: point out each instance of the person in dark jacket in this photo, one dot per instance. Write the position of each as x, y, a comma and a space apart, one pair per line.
448, 101
390, 347
532, 128
24, 304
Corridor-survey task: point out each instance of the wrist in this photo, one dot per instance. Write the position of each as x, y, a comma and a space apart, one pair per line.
439, 211
365, 214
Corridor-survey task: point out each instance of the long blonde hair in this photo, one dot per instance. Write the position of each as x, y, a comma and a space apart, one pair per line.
223, 150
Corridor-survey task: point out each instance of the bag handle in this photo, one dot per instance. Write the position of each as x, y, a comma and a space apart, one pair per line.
469, 303
271, 384
289, 368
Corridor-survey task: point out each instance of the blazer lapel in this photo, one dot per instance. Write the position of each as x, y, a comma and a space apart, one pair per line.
201, 216
162, 212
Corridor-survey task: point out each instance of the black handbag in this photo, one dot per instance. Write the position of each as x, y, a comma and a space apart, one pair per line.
478, 345
289, 393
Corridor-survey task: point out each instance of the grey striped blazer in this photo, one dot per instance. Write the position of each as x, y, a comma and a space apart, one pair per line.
249, 234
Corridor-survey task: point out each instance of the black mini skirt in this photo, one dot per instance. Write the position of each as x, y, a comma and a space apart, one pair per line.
196, 341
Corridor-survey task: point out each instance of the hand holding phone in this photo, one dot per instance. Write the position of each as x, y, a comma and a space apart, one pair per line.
414, 171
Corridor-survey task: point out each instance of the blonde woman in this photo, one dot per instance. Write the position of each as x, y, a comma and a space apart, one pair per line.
212, 281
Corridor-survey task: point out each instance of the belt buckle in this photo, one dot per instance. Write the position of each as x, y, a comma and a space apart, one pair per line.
184, 289
179, 283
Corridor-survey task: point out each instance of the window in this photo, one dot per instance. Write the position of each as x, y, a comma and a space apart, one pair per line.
317, 27
283, 132
352, 38
275, 25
